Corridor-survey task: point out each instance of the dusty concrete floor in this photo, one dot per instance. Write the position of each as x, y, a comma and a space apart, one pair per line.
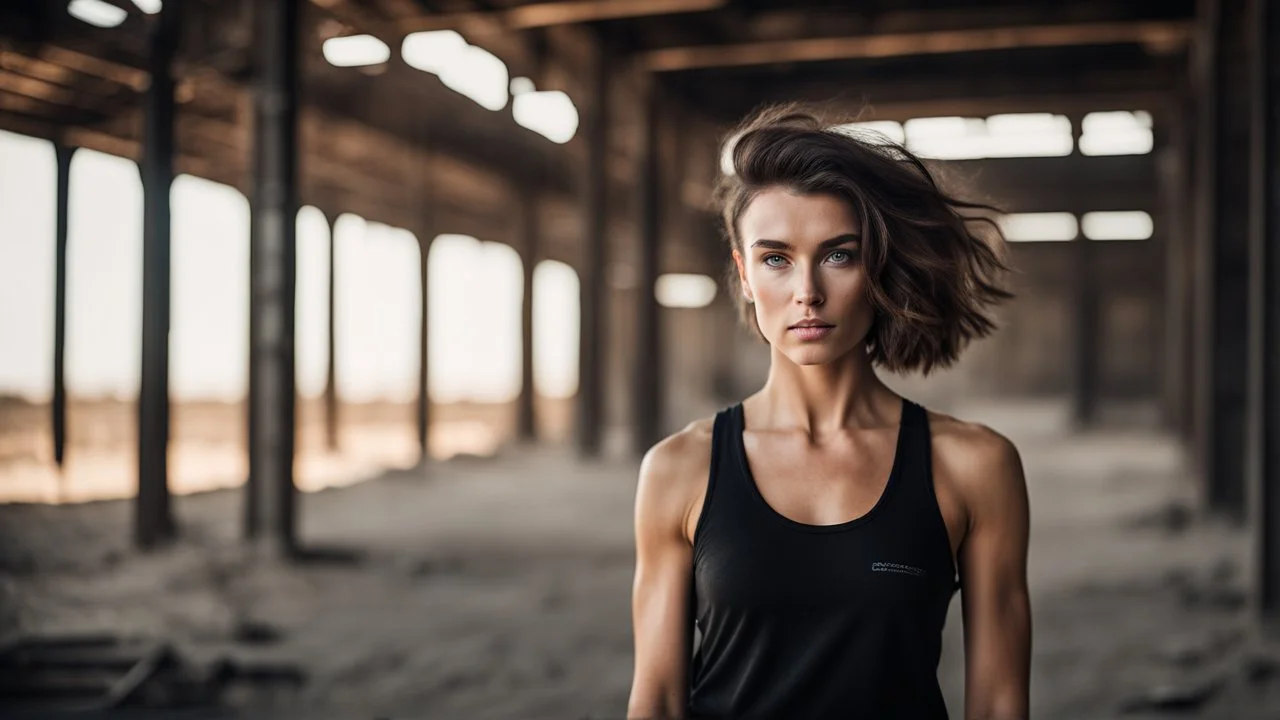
500, 588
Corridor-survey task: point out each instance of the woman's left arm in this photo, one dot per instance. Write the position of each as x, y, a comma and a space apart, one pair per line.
993, 569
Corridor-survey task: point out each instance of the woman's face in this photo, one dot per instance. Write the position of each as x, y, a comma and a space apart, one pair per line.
801, 267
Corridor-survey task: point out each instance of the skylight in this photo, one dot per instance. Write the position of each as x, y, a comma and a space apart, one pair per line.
97, 13
355, 51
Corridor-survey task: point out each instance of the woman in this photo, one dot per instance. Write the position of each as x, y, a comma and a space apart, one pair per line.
816, 531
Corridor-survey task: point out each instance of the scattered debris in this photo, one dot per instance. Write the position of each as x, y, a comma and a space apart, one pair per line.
1260, 669
102, 672
1183, 697
256, 632
1172, 517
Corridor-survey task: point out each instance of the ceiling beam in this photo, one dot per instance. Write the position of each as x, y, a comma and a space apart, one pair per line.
547, 14
1165, 35
98, 67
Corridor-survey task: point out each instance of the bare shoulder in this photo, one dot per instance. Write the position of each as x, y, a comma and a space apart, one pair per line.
980, 463
673, 476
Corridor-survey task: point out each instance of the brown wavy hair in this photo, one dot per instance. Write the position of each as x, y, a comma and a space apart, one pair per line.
933, 262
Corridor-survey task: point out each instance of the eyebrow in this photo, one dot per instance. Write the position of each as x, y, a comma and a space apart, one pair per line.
825, 244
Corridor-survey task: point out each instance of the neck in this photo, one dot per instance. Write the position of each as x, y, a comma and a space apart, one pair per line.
824, 399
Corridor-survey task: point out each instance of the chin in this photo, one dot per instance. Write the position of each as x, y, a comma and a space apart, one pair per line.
814, 354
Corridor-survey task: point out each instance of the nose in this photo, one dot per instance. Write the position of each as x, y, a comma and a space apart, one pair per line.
810, 292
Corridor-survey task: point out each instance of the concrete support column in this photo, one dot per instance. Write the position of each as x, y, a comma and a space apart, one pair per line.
1084, 386
1264, 375
530, 253
62, 154
272, 395
153, 520
331, 343
1189, 218
1173, 225
595, 192
647, 388
1224, 202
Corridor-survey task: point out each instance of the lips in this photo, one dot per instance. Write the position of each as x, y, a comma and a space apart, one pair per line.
810, 323
811, 329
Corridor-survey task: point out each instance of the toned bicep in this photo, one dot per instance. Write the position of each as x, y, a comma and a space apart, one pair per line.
996, 607
661, 613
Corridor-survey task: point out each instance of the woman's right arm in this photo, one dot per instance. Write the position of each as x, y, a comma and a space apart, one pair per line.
661, 613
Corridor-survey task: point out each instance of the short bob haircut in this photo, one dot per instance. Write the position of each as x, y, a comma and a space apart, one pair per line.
931, 276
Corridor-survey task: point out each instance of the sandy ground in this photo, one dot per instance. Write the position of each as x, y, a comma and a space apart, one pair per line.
500, 588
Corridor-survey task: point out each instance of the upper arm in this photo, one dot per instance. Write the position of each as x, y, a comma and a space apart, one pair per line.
993, 567
661, 612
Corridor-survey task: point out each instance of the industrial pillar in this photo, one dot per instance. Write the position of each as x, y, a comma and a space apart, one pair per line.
1264, 376
647, 385
1084, 386
1223, 330
1188, 138
530, 242
595, 192
153, 520
62, 154
331, 373
272, 396
1174, 222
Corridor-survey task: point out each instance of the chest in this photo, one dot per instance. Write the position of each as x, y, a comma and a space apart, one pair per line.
841, 480
889, 572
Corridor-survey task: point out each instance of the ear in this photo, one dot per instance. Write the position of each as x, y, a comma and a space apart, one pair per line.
742, 276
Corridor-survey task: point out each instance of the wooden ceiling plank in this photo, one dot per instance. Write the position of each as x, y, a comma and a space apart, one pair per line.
90, 65
38, 89
1163, 34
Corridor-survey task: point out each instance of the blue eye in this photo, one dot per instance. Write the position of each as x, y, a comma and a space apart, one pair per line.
848, 256
768, 258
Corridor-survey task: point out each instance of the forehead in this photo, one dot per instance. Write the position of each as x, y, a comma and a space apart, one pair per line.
778, 214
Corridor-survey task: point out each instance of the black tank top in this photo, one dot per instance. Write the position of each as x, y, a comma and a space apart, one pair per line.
820, 621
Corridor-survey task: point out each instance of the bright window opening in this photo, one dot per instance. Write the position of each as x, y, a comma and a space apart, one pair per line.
1028, 135
355, 51
104, 277
209, 325
312, 302
466, 69
549, 113
377, 311
475, 290
555, 329
521, 85
479, 75
1039, 227
675, 290
97, 13
28, 205
947, 138
150, 7
433, 51
1116, 133
999, 136
1129, 225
